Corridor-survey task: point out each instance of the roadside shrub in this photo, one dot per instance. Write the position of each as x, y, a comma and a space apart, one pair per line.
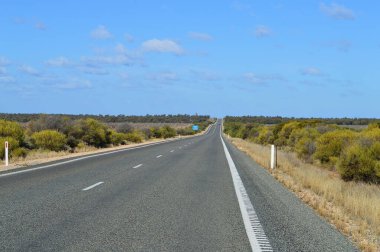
330, 145
13, 144
49, 140
93, 132
265, 136
117, 138
20, 152
358, 163
124, 128
285, 132
185, 131
167, 132
156, 133
134, 137
11, 129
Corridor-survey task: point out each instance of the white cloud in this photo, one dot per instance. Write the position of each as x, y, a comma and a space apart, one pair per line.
120, 48
3, 71
312, 71
129, 37
261, 79
205, 75
74, 84
4, 61
108, 60
58, 62
101, 32
163, 46
337, 11
262, 31
29, 70
7, 79
93, 70
40, 26
164, 77
200, 36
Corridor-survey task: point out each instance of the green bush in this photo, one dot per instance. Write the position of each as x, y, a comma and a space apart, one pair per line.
13, 144
358, 163
134, 137
49, 140
167, 132
117, 138
11, 129
155, 132
265, 136
330, 145
185, 131
92, 132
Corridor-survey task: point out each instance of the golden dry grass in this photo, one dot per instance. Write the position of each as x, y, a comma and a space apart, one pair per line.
353, 208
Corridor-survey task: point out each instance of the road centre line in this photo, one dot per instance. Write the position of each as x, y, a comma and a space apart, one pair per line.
255, 232
92, 186
159, 156
137, 166
172, 151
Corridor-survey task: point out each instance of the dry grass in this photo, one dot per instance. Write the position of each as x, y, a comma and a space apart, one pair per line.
353, 208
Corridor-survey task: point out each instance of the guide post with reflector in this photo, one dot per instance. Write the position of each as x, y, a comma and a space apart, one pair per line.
6, 153
273, 157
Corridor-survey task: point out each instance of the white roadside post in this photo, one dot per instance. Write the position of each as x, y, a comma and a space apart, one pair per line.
273, 157
6, 153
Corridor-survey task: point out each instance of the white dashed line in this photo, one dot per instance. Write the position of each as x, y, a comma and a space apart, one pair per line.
137, 166
159, 156
92, 186
172, 151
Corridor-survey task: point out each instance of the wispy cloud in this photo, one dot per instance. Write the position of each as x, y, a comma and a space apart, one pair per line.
119, 59
58, 62
204, 75
311, 71
6, 79
101, 32
262, 31
164, 77
261, 79
337, 11
74, 84
340, 45
120, 48
29, 70
93, 70
163, 46
4, 61
40, 26
200, 36
129, 37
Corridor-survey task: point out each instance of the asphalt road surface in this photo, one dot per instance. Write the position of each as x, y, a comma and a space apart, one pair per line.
183, 195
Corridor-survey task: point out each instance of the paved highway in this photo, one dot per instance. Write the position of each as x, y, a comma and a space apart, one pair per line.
194, 194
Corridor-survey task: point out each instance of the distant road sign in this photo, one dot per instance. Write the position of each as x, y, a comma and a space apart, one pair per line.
195, 127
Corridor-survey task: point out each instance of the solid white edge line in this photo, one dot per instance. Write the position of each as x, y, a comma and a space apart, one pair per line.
256, 235
158, 156
137, 166
92, 186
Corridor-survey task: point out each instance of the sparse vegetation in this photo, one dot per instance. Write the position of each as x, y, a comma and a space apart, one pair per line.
63, 134
355, 154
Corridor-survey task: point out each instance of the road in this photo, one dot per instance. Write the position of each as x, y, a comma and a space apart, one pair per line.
183, 195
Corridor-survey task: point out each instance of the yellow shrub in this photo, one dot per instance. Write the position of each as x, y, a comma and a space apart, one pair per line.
49, 140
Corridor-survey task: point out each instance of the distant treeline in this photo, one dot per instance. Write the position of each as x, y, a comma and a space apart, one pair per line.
279, 119
23, 118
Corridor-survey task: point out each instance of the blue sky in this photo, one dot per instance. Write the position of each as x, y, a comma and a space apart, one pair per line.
288, 58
